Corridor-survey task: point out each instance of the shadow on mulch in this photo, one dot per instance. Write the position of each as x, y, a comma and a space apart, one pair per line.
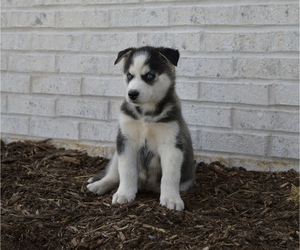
45, 205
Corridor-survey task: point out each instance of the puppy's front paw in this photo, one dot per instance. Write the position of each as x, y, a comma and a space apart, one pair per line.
122, 198
173, 203
99, 187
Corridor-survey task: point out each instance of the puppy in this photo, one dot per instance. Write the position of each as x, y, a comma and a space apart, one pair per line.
154, 148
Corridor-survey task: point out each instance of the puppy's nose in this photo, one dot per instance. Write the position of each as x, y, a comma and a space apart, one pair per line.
133, 94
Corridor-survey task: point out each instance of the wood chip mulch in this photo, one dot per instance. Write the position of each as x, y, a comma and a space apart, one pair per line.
45, 205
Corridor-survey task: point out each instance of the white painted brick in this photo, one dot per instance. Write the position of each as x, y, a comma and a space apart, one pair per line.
262, 165
208, 15
27, 19
187, 90
4, 62
194, 137
96, 131
15, 83
269, 14
83, 2
285, 94
238, 143
103, 87
3, 103
56, 85
285, 146
83, 108
207, 116
268, 68
57, 42
114, 108
125, 17
267, 120
53, 128
20, 104
31, 63
181, 41
17, 3
82, 19
237, 42
16, 125
205, 67
12, 41
246, 93
109, 42
286, 41
83, 64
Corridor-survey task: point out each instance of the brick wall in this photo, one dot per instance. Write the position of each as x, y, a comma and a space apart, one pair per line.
238, 73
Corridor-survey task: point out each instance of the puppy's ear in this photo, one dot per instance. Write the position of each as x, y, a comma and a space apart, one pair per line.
171, 55
122, 54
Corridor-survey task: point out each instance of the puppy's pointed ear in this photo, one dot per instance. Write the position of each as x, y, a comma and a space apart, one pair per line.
171, 55
122, 54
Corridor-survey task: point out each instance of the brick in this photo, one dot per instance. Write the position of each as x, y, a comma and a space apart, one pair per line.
237, 42
88, 64
82, 19
109, 42
103, 87
124, 17
31, 63
114, 108
255, 164
207, 116
187, 90
84, 2
237, 143
181, 41
30, 105
56, 85
268, 68
194, 137
15, 83
105, 132
286, 41
4, 62
83, 108
285, 94
15, 125
205, 67
17, 3
27, 19
11, 41
3, 103
246, 93
53, 128
266, 120
57, 42
285, 146
208, 15
269, 14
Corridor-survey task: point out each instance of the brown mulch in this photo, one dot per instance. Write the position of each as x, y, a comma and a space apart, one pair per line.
45, 205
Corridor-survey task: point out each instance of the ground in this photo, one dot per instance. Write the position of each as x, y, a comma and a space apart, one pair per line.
45, 205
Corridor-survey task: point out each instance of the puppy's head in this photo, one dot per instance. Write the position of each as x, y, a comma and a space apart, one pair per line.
149, 73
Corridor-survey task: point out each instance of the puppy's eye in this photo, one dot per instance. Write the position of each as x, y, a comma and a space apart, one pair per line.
150, 76
129, 76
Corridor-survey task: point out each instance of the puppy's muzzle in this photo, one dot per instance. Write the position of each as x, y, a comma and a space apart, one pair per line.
133, 94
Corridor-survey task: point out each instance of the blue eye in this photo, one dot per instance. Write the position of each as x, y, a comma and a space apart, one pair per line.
129, 76
150, 76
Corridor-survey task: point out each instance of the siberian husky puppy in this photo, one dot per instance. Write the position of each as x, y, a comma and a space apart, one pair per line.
154, 148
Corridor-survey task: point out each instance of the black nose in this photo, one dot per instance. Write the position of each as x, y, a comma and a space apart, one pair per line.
133, 94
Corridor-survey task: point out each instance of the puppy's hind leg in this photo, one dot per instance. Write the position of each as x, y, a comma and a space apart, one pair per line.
109, 181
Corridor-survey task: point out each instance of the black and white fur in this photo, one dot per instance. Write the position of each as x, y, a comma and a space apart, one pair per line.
154, 148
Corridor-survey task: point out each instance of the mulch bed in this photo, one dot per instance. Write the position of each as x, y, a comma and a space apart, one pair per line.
45, 205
